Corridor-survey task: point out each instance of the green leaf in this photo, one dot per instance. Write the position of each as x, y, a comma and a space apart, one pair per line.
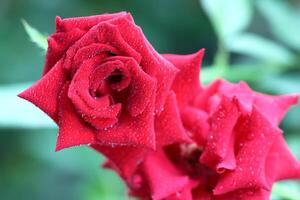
228, 16
35, 36
260, 48
283, 20
18, 113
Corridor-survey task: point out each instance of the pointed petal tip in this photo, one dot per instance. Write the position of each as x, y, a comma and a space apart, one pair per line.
295, 98
22, 95
201, 52
61, 146
58, 21
58, 147
26, 95
198, 56
129, 15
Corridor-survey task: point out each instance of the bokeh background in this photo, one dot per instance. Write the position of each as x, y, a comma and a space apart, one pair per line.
253, 40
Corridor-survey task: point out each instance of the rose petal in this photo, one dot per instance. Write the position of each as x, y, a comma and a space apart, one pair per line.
151, 62
228, 162
68, 31
103, 33
86, 22
241, 91
163, 178
97, 111
195, 121
255, 138
102, 73
44, 93
201, 101
201, 194
186, 84
168, 126
138, 186
58, 43
281, 163
72, 131
124, 159
184, 194
275, 107
142, 86
219, 146
249, 194
131, 131
91, 51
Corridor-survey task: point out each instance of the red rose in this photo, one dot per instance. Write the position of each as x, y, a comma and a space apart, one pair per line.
238, 150
103, 83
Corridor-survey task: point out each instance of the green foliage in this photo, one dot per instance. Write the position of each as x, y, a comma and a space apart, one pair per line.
35, 36
283, 20
231, 20
228, 17
260, 48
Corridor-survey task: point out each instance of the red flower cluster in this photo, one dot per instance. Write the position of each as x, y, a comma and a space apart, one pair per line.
164, 133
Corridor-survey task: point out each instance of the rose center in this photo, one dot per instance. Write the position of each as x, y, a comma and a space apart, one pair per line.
115, 77
109, 79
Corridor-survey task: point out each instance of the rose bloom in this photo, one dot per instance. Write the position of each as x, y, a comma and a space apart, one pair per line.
166, 135
237, 150
103, 83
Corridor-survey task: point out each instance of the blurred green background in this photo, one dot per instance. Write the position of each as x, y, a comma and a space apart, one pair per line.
253, 40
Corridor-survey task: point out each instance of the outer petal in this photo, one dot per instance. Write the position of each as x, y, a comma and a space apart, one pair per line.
87, 22
138, 186
218, 152
68, 31
168, 126
163, 178
44, 93
255, 138
275, 107
185, 194
247, 194
104, 33
58, 43
281, 163
241, 91
72, 131
124, 159
186, 84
